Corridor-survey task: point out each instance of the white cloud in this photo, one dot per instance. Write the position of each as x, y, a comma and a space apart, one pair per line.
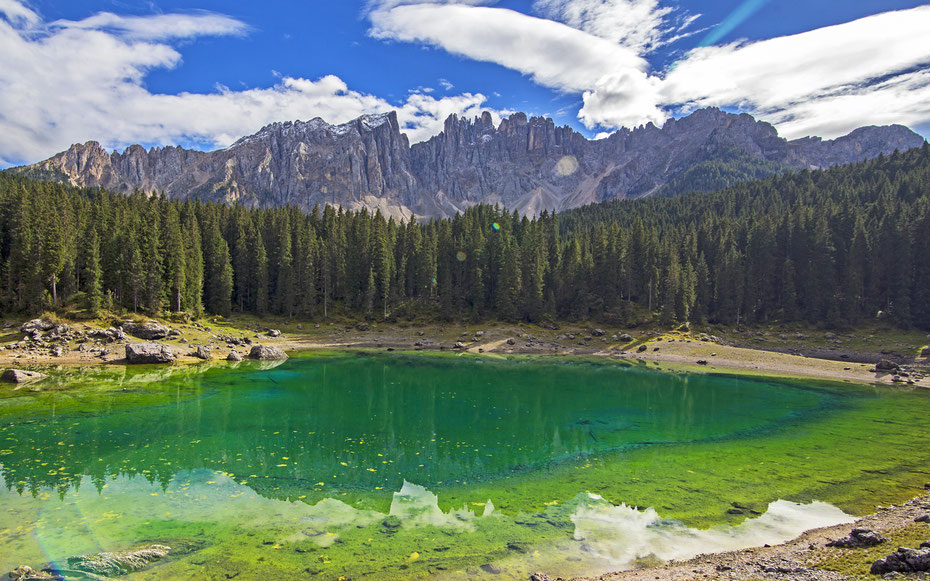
637, 24
830, 80
553, 54
826, 81
158, 27
69, 82
627, 99
18, 13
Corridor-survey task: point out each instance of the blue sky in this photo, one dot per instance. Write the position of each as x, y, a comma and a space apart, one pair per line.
205, 73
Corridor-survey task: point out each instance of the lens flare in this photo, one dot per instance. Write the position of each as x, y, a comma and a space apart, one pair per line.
496, 227
461, 256
567, 166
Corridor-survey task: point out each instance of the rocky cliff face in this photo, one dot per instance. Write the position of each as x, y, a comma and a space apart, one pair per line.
524, 164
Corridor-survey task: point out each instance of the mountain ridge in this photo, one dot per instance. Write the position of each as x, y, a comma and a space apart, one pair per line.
524, 163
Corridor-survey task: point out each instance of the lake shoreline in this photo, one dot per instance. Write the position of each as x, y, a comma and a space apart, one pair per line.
671, 350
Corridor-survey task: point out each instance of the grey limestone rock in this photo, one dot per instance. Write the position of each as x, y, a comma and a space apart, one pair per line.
34, 325
21, 376
904, 560
267, 353
149, 353
525, 164
858, 539
148, 331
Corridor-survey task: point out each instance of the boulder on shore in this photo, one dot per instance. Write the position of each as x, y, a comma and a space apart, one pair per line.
626, 338
203, 352
37, 325
233, 356
903, 560
148, 331
925, 352
267, 353
20, 376
859, 539
886, 365
149, 353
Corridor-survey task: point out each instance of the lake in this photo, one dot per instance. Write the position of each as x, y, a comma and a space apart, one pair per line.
393, 466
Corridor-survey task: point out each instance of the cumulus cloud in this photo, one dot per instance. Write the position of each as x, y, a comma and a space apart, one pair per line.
70, 81
552, 54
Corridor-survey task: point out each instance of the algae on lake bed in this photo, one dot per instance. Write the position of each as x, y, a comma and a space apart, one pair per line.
306, 467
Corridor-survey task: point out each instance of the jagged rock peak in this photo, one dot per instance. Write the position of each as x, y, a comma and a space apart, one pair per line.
524, 163
362, 124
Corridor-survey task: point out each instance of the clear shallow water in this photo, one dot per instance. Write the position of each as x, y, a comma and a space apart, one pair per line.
401, 466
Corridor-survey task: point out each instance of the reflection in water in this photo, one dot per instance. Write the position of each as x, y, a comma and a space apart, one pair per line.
232, 517
622, 534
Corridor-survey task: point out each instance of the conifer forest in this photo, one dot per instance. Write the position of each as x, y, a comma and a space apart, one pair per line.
837, 247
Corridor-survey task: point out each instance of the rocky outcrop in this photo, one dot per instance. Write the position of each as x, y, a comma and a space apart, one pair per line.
267, 353
525, 164
149, 353
21, 376
149, 331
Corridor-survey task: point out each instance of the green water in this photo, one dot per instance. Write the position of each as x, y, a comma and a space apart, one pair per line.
390, 467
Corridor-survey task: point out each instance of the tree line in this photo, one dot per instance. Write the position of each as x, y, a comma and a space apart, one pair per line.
837, 247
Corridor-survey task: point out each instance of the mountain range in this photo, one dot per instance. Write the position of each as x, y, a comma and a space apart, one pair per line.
529, 165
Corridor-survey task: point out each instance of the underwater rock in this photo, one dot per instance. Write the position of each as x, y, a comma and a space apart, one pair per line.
20, 376
97, 567
116, 564
27, 573
267, 353
858, 539
903, 560
149, 353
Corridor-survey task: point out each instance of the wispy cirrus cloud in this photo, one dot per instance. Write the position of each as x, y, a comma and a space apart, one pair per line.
64, 82
640, 25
